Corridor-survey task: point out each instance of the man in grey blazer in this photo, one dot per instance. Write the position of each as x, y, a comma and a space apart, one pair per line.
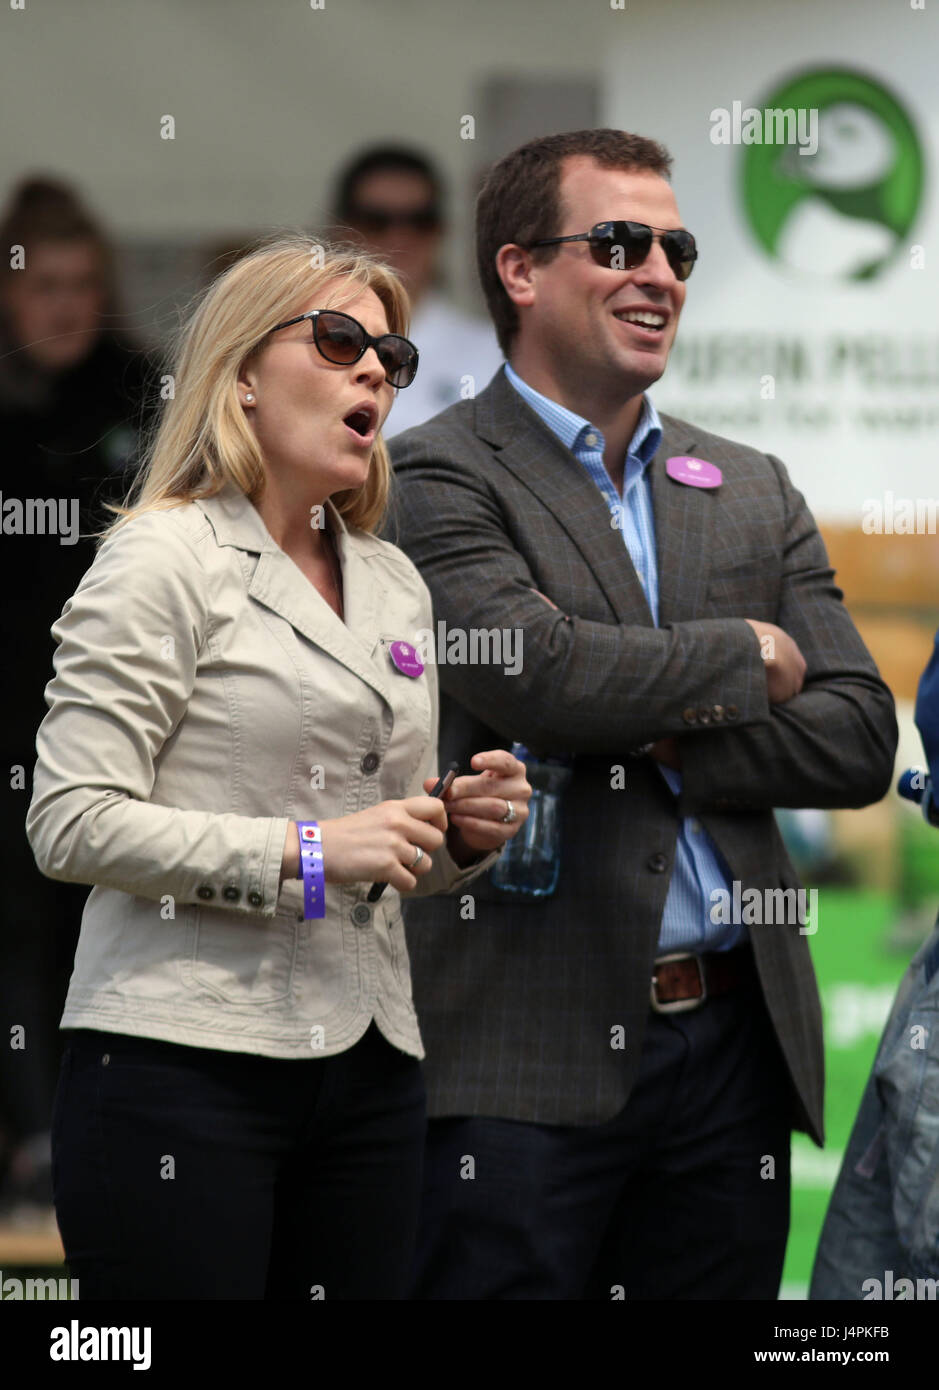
606, 1123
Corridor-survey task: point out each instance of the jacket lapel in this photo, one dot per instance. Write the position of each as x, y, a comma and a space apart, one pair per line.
534, 454
684, 524
279, 585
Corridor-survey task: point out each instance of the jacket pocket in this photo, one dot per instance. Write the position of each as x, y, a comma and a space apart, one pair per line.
240, 960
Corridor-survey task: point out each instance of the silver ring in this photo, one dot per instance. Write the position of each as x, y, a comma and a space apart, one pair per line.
511, 814
417, 858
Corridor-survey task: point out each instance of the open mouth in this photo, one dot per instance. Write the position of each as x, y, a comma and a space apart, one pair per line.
647, 321
361, 422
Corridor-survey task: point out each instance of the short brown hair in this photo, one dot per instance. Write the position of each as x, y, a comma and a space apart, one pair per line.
520, 201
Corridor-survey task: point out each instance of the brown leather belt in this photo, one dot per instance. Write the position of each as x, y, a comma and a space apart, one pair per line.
683, 981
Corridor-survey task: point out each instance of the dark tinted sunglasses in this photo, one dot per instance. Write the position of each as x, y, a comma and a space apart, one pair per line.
342, 339
377, 220
625, 245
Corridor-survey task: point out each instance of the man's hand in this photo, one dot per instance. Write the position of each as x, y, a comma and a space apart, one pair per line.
785, 664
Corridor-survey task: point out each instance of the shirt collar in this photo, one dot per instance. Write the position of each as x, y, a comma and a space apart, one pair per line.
570, 427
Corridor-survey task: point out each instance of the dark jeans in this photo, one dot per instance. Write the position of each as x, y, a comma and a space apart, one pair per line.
683, 1195
189, 1173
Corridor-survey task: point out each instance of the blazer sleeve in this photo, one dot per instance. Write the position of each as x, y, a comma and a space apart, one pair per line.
128, 642
583, 686
833, 744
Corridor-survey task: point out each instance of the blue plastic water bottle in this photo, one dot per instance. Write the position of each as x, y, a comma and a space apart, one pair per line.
530, 864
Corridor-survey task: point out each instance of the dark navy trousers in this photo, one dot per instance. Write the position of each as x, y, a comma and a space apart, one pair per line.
683, 1195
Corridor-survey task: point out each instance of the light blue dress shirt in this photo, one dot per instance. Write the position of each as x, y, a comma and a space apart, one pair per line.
699, 867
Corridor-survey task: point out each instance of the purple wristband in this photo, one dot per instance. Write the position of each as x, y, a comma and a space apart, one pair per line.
311, 866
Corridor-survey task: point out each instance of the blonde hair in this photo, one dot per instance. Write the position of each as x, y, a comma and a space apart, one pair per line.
203, 440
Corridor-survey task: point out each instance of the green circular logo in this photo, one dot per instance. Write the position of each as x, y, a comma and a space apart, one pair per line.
837, 180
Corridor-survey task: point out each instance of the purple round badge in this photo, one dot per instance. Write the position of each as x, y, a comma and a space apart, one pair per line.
694, 472
406, 659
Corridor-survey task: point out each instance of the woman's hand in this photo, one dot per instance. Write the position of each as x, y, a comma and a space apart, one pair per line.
476, 805
378, 844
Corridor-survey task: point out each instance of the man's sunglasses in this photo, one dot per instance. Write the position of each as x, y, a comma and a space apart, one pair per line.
377, 220
342, 339
625, 245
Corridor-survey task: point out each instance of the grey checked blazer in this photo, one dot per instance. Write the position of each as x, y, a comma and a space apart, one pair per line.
517, 1005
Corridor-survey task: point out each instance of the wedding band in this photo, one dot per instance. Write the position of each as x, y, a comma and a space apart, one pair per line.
510, 815
417, 858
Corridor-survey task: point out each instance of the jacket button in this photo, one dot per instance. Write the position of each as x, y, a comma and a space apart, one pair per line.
657, 863
732, 711
370, 762
255, 899
690, 716
717, 713
231, 892
205, 892
704, 716
361, 914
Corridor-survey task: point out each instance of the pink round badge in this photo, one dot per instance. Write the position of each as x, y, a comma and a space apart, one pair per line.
406, 659
694, 472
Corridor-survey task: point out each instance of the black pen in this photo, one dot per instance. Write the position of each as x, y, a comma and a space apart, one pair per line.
442, 787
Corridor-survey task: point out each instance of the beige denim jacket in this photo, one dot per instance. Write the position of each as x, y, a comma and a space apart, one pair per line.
204, 696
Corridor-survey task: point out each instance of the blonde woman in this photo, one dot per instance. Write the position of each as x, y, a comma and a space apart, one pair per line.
240, 1112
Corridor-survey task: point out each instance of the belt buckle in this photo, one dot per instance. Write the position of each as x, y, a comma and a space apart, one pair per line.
678, 1006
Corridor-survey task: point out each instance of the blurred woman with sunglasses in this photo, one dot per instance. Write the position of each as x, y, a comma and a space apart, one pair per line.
240, 1112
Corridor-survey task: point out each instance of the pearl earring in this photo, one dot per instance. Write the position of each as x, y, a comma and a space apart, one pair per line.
249, 396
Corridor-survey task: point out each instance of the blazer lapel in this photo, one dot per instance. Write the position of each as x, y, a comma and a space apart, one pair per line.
684, 523
279, 585
538, 459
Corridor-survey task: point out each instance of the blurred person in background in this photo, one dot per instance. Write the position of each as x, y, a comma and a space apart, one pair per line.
70, 406
392, 199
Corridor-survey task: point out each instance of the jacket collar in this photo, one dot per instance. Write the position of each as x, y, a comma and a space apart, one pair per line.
684, 516
281, 586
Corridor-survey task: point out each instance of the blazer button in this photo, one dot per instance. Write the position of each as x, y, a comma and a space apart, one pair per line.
255, 899
370, 762
690, 716
657, 863
717, 713
732, 711
361, 914
205, 892
231, 892
704, 716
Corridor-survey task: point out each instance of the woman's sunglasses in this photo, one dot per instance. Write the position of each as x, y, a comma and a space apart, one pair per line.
625, 245
342, 339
